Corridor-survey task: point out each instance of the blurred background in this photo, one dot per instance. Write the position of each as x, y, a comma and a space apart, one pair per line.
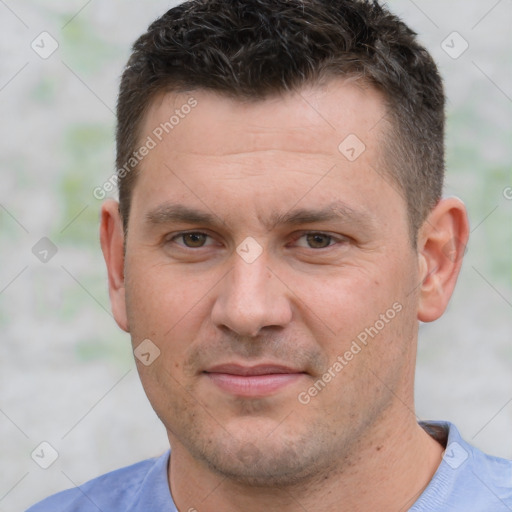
67, 376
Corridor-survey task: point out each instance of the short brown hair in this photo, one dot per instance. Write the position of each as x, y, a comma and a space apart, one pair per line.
251, 49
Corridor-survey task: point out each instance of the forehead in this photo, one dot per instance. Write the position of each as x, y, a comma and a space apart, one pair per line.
315, 119
317, 145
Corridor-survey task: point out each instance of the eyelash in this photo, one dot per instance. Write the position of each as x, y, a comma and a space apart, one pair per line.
332, 238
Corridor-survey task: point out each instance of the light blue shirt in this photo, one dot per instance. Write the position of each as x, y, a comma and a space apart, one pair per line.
467, 480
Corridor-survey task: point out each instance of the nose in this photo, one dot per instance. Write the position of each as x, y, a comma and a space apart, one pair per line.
251, 297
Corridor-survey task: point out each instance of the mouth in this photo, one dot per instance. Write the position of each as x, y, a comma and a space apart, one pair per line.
253, 381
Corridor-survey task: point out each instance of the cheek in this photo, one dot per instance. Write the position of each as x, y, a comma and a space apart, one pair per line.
371, 306
160, 299
168, 309
341, 304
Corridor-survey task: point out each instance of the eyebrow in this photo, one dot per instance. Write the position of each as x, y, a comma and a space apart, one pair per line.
169, 213
333, 211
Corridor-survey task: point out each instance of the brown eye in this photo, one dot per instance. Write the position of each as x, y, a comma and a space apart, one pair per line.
193, 240
318, 240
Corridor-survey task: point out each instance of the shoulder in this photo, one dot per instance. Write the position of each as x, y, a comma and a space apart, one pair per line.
467, 479
473, 464
491, 472
114, 491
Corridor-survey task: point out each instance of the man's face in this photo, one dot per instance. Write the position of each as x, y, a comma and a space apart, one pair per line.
300, 259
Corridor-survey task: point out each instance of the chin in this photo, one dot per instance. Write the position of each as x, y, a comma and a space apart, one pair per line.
264, 461
256, 468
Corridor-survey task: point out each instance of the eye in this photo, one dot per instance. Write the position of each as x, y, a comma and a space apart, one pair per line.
318, 240
191, 240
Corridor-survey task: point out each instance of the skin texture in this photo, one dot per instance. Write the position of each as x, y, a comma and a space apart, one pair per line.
301, 303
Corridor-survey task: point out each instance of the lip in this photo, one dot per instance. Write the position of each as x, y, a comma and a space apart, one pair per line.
252, 381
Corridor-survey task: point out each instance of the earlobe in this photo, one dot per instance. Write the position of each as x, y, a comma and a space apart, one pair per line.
112, 241
441, 246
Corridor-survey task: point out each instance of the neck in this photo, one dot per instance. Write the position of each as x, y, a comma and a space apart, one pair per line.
387, 472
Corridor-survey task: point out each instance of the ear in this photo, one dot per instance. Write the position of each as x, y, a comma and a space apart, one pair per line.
442, 242
112, 238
